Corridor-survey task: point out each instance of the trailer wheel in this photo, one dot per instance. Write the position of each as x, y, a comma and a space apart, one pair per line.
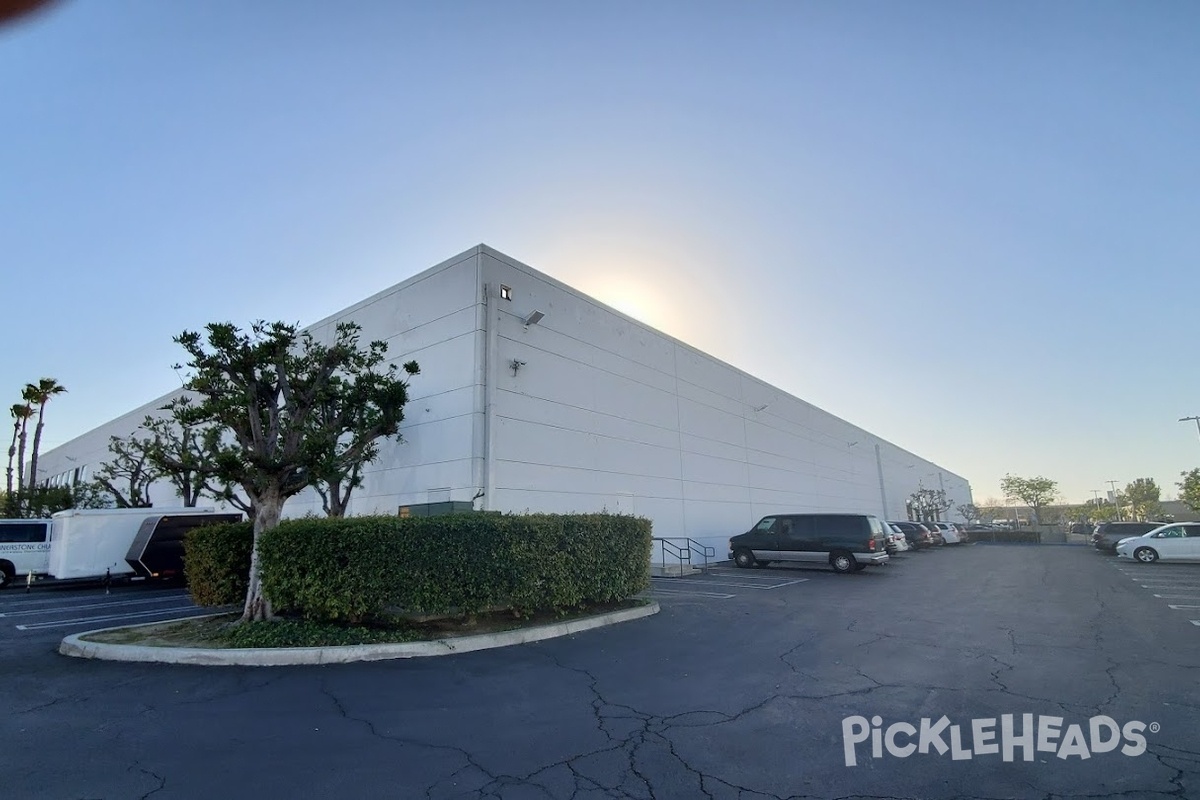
7, 573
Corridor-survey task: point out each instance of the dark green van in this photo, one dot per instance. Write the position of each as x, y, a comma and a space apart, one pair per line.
846, 542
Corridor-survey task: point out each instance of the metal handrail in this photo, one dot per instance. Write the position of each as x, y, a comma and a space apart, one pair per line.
681, 549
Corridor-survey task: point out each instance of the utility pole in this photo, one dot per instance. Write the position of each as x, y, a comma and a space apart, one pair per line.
1116, 501
1192, 419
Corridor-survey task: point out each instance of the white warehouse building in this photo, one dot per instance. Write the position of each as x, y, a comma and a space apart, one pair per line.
534, 397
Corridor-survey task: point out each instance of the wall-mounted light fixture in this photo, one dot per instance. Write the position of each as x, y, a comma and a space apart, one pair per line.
515, 366
763, 407
534, 318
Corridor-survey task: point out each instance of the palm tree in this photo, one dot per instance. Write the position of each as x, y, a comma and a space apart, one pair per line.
40, 394
21, 412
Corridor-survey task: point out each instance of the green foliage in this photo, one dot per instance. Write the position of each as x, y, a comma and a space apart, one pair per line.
308, 633
1143, 497
216, 560
126, 476
356, 569
1189, 489
1033, 492
313, 407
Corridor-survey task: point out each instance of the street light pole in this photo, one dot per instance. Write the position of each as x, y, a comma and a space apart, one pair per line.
1116, 502
1191, 419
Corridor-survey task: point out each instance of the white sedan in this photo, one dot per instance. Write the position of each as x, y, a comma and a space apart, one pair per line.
896, 537
1177, 541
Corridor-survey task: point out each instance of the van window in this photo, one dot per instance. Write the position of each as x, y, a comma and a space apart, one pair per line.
839, 526
23, 532
876, 526
765, 524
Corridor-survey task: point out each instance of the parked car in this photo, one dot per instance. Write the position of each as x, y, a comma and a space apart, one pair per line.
916, 534
1107, 534
899, 538
847, 542
950, 534
1177, 541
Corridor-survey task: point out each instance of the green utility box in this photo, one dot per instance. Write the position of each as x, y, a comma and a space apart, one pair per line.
437, 509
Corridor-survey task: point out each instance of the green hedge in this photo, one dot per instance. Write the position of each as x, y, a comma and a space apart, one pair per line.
216, 563
356, 568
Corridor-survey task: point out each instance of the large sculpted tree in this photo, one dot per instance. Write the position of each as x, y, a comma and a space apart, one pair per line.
272, 393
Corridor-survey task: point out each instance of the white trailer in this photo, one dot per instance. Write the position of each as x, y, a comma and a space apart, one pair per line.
94, 543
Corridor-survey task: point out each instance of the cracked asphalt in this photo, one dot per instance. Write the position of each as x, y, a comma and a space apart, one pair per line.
740, 697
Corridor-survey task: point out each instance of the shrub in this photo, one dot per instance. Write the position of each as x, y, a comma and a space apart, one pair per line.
216, 562
355, 568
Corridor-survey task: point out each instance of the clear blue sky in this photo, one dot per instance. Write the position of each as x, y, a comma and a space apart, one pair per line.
972, 228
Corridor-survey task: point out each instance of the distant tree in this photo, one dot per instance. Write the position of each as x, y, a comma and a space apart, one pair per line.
969, 511
1143, 496
39, 502
184, 456
1036, 493
264, 390
39, 394
21, 412
127, 476
346, 408
1189, 489
928, 504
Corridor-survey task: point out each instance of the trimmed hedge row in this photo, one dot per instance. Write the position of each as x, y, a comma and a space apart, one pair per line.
216, 562
356, 568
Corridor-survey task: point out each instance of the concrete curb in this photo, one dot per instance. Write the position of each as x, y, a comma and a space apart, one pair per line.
76, 647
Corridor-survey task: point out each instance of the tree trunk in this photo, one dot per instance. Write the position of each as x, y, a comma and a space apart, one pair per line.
12, 454
37, 442
268, 509
21, 455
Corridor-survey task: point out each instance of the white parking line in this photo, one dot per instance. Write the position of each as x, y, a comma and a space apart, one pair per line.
720, 583
1181, 608
789, 583
1177, 596
745, 575
686, 593
1196, 622
85, 607
33, 626
23, 600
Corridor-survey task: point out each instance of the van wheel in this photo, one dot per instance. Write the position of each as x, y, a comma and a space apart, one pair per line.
6, 574
744, 559
842, 561
1145, 555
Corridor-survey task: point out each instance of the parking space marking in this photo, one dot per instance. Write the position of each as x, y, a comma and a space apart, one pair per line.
34, 626
687, 593
24, 600
718, 583
1177, 596
86, 606
1196, 622
1181, 608
745, 575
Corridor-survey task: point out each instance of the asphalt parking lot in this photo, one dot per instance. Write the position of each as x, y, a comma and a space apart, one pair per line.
739, 688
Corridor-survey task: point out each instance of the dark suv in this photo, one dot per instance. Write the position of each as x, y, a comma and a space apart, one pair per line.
918, 535
1107, 534
846, 542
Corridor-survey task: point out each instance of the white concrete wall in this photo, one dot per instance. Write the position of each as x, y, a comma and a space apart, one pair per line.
607, 413
433, 318
603, 413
